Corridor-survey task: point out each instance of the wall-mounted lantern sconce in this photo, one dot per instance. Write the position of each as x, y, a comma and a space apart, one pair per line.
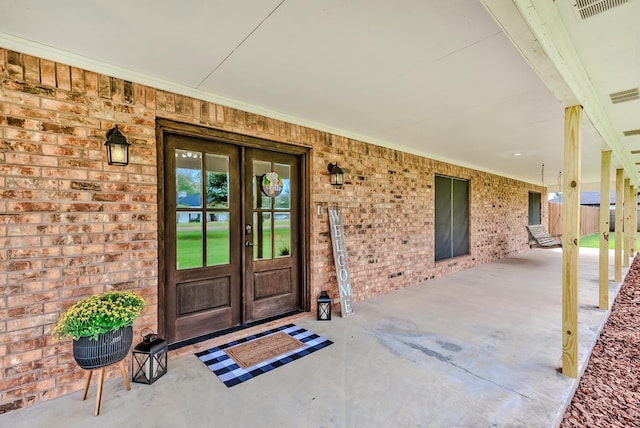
337, 177
117, 148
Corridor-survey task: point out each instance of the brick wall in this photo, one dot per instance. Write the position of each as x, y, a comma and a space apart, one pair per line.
72, 226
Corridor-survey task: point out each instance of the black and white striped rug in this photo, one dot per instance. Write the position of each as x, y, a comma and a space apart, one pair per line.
232, 374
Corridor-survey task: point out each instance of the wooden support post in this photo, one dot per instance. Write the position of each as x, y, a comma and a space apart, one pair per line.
633, 207
605, 190
626, 228
570, 237
617, 274
634, 221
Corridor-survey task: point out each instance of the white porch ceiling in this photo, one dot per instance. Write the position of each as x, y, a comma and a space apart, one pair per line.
465, 81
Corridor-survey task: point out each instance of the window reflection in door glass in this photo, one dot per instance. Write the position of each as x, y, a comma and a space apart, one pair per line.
188, 239
217, 184
188, 179
262, 236
217, 238
283, 201
282, 237
260, 168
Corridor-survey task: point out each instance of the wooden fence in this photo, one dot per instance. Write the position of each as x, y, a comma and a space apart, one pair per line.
589, 219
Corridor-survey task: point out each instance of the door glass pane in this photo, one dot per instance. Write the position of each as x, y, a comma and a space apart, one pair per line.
217, 184
283, 201
282, 234
260, 168
218, 238
188, 240
188, 179
262, 236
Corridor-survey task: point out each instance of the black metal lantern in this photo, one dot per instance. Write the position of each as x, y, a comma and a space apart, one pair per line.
149, 362
337, 177
324, 306
117, 148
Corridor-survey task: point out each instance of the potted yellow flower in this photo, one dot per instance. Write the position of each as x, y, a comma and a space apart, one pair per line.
100, 327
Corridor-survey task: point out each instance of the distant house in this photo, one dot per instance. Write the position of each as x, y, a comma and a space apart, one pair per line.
195, 200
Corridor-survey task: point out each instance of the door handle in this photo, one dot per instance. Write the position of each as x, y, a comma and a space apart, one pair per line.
248, 244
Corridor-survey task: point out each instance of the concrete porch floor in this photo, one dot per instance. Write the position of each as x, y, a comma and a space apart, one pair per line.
478, 348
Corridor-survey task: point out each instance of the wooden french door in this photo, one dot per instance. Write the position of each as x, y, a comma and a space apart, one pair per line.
271, 234
231, 235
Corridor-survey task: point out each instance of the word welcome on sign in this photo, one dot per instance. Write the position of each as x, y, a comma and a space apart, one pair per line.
340, 260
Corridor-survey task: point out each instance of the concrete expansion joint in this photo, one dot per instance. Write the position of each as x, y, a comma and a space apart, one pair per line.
449, 360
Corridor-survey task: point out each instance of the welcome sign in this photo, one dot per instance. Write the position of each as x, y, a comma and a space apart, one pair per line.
340, 260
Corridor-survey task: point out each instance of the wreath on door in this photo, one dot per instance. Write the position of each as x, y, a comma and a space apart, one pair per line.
271, 184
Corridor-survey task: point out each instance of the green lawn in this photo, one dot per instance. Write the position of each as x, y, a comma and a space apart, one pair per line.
189, 246
593, 241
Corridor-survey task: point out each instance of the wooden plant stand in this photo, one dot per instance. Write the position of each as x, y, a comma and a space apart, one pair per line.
123, 371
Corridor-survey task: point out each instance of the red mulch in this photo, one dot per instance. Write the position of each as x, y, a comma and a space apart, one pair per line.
608, 394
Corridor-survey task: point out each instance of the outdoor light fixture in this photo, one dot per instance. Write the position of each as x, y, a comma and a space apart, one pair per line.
117, 148
149, 361
337, 177
324, 306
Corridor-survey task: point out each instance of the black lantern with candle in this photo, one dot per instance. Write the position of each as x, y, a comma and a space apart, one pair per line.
149, 361
324, 306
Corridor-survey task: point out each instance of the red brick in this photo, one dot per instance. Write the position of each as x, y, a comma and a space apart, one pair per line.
56, 370
89, 143
19, 242
31, 69
91, 83
22, 229
110, 197
77, 80
17, 194
14, 65
76, 174
28, 299
25, 345
20, 104
30, 159
62, 106
31, 322
21, 358
56, 150
63, 76
81, 207
48, 72
32, 388
117, 90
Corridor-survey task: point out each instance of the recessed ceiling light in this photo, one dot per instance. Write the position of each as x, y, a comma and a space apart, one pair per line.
516, 154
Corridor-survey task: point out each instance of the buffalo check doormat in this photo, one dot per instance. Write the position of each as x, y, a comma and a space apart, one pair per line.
229, 371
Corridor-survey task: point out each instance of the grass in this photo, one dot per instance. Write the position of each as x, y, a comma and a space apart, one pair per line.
189, 246
593, 241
